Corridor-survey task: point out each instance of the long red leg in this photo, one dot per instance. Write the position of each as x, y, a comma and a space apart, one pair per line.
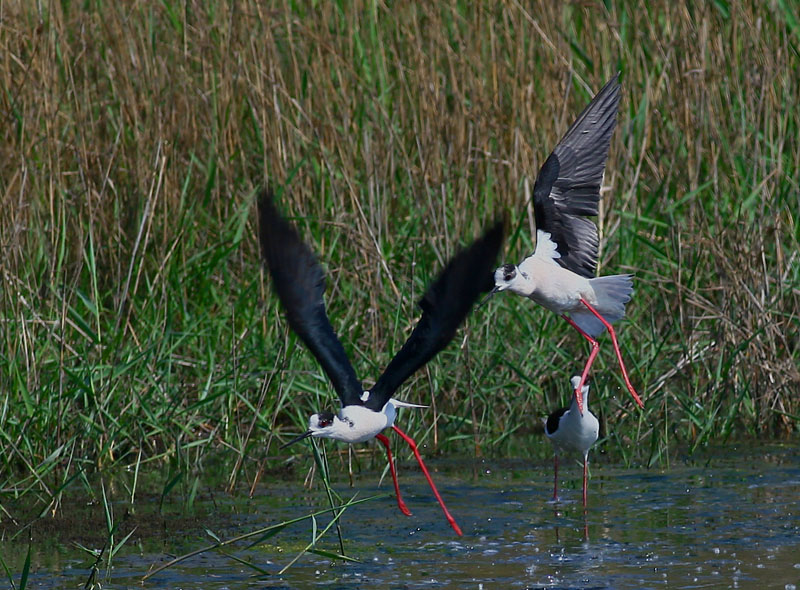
589, 361
414, 449
616, 350
585, 459
400, 504
585, 486
555, 478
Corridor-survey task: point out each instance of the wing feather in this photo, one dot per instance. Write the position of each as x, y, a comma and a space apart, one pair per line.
444, 306
299, 281
567, 188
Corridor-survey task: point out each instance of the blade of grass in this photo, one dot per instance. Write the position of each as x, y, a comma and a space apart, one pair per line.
260, 532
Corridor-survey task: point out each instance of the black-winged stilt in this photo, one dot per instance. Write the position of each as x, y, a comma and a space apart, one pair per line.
570, 430
559, 275
300, 283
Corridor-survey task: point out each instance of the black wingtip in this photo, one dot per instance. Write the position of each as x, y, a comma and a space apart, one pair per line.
612, 87
279, 239
492, 238
494, 235
445, 305
266, 197
481, 257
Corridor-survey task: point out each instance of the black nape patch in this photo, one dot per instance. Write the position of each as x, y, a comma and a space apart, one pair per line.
325, 419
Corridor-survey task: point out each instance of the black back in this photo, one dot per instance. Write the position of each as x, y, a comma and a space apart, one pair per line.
552, 420
299, 281
567, 187
444, 306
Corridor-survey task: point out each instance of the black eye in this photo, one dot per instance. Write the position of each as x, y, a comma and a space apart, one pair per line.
325, 419
509, 272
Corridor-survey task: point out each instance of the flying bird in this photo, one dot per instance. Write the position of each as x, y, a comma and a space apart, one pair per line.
560, 274
299, 281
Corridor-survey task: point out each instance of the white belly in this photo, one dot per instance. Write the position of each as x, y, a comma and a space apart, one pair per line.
575, 433
559, 289
362, 424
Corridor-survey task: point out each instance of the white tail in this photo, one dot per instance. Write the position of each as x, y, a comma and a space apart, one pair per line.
401, 404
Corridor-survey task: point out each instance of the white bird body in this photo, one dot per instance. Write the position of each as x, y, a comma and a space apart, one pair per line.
576, 432
540, 278
570, 430
355, 424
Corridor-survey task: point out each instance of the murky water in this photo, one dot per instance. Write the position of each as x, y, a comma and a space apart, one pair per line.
732, 521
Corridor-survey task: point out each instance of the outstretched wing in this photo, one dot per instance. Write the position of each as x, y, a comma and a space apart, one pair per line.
568, 186
300, 283
444, 306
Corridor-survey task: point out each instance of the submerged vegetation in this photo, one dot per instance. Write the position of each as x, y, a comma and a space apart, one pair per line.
139, 330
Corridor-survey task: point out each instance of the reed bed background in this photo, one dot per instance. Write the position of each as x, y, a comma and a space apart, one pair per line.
138, 328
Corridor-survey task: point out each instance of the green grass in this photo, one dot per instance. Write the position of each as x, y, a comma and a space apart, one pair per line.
139, 330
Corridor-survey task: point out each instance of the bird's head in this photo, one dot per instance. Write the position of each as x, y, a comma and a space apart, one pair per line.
584, 405
323, 424
510, 277
505, 277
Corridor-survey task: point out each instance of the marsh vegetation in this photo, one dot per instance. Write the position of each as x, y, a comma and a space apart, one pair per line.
139, 331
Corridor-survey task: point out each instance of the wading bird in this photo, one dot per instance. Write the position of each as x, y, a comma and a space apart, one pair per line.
572, 430
559, 275
299, 282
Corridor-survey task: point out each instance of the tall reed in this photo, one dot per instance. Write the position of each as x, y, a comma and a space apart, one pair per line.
138, 325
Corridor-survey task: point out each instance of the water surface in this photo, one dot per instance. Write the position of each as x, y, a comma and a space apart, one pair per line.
726, 520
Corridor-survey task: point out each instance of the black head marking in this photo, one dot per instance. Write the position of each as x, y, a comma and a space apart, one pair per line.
509, 272
324, 419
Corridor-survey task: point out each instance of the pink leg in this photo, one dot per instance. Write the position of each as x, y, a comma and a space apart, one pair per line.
555, 478
585, 459
400, 504
414, 449
592, 356
616, 350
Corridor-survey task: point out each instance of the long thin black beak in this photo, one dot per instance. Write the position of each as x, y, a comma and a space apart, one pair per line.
489, 296
297, 439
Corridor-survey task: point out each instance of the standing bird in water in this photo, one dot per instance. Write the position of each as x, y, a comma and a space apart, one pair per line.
572, 430
559, 275
299, 282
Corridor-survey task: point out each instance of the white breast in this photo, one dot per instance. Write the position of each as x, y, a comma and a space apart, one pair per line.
575, 432
555, 288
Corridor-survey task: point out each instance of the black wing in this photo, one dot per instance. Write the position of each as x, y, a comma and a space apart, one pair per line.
444, 306
300, 283
568, 185
553, 420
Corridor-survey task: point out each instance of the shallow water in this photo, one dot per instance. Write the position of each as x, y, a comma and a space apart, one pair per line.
730, 521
